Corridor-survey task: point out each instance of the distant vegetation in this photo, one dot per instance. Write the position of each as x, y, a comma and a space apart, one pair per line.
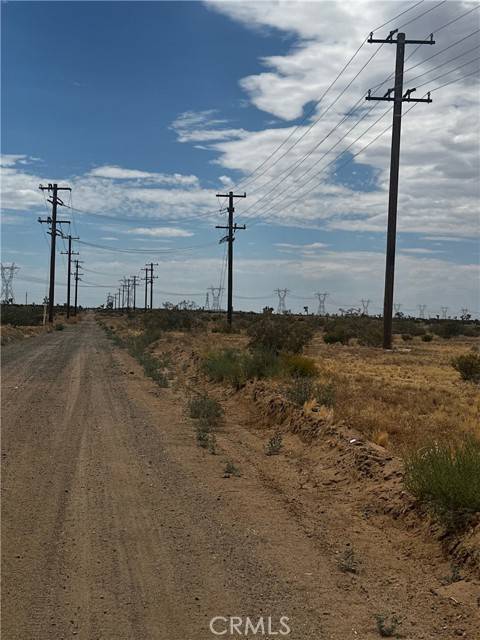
21, 315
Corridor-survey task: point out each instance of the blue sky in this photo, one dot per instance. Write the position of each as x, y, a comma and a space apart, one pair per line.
147, 109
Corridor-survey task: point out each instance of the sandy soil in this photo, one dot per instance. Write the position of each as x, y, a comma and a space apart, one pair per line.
117, 526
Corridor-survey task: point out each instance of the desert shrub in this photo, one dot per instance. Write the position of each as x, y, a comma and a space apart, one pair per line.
21, 315
371, 335
447, 329
406, 337
468, 366
274, 445
368, 331
59, 326
202, 406
153, 368
298, 366
447, 478
427, 337
279, 334
412, 327
171, 320
302, 390
229, 365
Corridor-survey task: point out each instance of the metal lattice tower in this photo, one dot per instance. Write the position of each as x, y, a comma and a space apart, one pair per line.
421, 310
365, 304
321, 303
282, 294
8, 272
444, 312
216, 294
464, 314
207, 302
397, 306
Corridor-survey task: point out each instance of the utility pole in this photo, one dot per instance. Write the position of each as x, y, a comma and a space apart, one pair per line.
145, 306
152, 277
70, 253
398, 98
134, 287
230, 238
54, 200
77, 278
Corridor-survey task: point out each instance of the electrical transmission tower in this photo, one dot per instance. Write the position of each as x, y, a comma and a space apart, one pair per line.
365, 304
282, 294
207, 302
398, 98
8, 273
52, 221
444, 312
321, 303
216, 294
421, 310
397, 306
230, 238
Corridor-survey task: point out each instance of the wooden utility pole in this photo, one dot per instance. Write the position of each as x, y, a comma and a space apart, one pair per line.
398, 98
150, 278
134, 286
146, 287
230, 237
77, 278
54, 201
70, 253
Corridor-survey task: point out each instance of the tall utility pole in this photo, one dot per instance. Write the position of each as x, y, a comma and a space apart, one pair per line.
145, 306
151, 278
54, 200
77, 278
398, 98
70, 253
230, 238
134, 289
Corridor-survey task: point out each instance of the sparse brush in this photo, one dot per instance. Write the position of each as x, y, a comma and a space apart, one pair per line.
348, 562
406, 337
275, 444
276, 334
230, 470
202, 406
229, 365
428, 337
468, 366
59, 326
447, 479
454, 575
387, 625
298, 366
302, 390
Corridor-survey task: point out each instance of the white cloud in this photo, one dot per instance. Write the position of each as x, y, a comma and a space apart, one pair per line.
203, 126
118, 173
161, 232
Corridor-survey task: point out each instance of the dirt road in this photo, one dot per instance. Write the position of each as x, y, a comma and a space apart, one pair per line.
116, 526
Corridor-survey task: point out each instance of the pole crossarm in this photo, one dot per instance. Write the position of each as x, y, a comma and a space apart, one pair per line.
389, 39
405, 98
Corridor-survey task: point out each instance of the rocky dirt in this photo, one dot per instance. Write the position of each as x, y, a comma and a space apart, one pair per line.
117, 526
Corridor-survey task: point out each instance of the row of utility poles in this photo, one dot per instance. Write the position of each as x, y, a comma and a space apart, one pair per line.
395, 94
126, 296
55, 230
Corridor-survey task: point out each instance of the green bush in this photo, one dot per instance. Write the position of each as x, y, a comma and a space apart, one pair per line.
368, 331
447, 479
427, 337
406, 337
204, 407
302, 390
21, 315
276, 334
371, 335
411, 327
448, 329
298, 366
234, 367
153, 368
59, 326
468, 366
